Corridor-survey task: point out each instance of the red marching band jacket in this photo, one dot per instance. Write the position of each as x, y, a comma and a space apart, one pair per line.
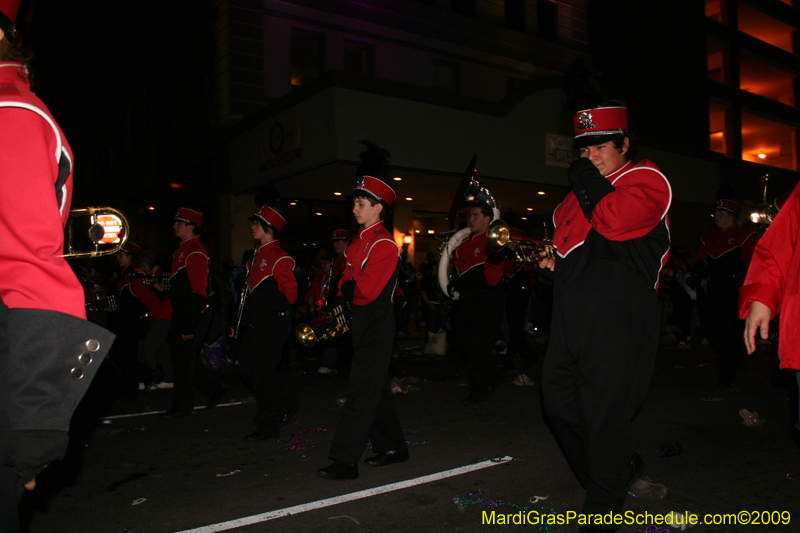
156, 308
191, 258
34, 211
273, 261
373, 245
472, 253
328, 273
637, 206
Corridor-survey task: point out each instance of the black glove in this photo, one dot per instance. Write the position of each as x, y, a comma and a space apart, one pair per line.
589, 185
348, 290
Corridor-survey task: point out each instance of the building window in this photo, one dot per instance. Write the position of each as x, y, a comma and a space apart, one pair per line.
465, 7
717, 10
721, 133
765, 28
718, 61
515, 15
308, 56
769, 142
758, 77
359, 57
547, 20
445, 76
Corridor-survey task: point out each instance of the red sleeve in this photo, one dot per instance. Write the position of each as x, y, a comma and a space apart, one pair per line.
287, 283
771, 267
32, 273
639, 202
143, 293
197, 270
378, 270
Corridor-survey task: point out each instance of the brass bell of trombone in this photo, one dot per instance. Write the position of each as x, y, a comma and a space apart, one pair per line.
96, 232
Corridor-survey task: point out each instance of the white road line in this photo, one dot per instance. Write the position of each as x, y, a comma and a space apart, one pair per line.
320, 504
159, 412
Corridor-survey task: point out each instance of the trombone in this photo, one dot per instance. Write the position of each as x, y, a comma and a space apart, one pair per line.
96, 232
528, 251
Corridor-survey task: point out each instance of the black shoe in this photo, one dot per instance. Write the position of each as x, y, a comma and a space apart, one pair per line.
637, 469
339, 470
216, 398
387, 458
261, 434
175, 413
287, 416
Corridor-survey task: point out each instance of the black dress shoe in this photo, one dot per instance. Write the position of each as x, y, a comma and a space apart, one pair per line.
287, 416
175, 413
387, 458
339, 470
261, 434
216, 398
637, 469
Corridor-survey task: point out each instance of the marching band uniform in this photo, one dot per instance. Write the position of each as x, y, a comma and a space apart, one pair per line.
370, 413
155, 348
478, 313
191, 315
612, 239
265, 325
722, 263
49, 352
519, 282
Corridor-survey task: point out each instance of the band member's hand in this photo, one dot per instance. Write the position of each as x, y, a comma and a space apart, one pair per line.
30, 485
547, 262
757, 319
232, 335
158, 286
582, 169
187, 337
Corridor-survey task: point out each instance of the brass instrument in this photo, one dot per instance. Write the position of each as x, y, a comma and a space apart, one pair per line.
162, 278
96, 232
109, 303
528, 251
336, 324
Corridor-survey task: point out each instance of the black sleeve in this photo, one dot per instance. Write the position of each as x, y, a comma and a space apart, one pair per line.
589, 185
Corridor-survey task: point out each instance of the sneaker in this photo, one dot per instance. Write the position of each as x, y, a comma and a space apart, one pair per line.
141, 386
162, 385
326, 370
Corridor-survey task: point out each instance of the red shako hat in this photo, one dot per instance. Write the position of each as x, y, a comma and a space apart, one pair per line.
190, 216
270, 216
729, 205
611, 120
340, 234
10, 8
375, 188
131, 248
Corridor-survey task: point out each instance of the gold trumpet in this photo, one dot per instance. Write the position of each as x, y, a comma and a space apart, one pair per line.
96, 232
528, 251
336, 324
162, 278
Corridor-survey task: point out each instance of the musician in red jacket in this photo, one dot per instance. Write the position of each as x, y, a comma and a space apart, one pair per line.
612, 239
49, 352
721, 265
191, 316
368, 283
265, 324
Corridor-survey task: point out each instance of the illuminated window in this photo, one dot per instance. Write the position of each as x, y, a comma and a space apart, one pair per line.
715, 10
776, 141
759, 77
308, 56
359, 57
720, 134
765, 28
717, 60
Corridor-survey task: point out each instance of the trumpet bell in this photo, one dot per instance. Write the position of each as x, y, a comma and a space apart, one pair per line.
305, 334
497, 235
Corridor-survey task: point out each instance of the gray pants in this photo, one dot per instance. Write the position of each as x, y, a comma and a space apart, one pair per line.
155, 348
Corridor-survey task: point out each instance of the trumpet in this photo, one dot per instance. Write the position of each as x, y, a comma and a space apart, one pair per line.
109, 303
528, 251
336, 324
96, 232
162, 278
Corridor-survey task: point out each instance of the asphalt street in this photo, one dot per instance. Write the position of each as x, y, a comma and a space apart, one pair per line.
133, 472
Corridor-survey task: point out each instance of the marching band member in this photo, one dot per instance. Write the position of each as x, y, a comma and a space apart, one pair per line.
368, 283
612, 239
191, 316
478, 313
721, 266
49, 352
323, 292
265, 324
519, 280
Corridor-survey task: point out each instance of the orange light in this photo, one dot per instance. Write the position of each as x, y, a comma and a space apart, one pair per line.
409, 198
151, 208
318, 214
762, 156
541, 193
530, 209
337, 194
292, 203
398, 178
406, 239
